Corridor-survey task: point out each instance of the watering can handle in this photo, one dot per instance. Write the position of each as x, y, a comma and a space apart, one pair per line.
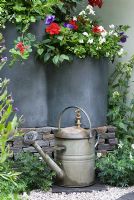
76, 107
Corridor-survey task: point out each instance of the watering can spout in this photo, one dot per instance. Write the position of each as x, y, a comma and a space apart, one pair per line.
30, 138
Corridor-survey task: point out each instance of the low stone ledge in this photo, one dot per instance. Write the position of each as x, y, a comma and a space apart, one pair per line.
107, 140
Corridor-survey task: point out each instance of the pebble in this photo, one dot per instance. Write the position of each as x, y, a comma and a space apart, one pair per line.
111, 193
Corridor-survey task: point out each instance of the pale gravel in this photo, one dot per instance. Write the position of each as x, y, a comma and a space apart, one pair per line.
112, 194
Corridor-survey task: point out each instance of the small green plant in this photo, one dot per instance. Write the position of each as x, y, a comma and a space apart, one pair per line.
120, 111
23, 47
117, 168
35, 173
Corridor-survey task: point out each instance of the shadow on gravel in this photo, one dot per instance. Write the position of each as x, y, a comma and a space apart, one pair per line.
129, 196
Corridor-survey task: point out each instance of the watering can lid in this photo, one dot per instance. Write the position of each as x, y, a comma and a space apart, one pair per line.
72, 133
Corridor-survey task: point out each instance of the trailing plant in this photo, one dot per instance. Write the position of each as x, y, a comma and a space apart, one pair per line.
117, 168
35, 173
25, 12
80, 36
121, 112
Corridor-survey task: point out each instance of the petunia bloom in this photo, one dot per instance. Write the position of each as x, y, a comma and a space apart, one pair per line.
123, 38
94, 3
67, 25
49, 19
53, 29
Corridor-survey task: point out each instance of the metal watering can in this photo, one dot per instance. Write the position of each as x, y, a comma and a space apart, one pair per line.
74, 151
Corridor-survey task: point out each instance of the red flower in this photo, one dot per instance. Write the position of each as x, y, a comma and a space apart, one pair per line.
53, 29
21, 47
74, 24
94, 3
98, 29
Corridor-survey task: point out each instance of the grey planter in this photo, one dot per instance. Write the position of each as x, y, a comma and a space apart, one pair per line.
41, 92
83, 83
28, 82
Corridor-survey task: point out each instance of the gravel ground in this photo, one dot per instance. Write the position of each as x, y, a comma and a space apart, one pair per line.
111, 194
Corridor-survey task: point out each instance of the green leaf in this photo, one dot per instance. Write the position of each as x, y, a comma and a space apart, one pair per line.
40, 51
46, 57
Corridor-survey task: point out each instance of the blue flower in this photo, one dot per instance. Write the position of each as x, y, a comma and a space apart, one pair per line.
123, 38
49, 19
68, 26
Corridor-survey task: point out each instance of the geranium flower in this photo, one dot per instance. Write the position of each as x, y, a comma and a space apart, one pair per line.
49, 19
75, 25
53, 29
94, 3
21, 47
98, 29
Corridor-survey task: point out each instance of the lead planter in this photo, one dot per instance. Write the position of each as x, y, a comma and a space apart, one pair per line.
27, 81
84, 83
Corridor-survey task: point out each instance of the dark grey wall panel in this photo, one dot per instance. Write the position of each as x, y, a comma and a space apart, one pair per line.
28, 82
83, 83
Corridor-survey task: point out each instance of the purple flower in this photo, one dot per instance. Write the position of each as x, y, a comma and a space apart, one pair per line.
4, 59
68, 26
15, 109
49, 19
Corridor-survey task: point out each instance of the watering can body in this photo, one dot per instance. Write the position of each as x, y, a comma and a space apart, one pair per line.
77, 160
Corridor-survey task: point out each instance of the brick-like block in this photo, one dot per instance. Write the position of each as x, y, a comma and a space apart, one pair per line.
18, 143
43, 143
106, 147
30, 149
101, 141
113, 141
111, 135
101, 130
103, 136
48, 136
15, 149
111, 129
51, 143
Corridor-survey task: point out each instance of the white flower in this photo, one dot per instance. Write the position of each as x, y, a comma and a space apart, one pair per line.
90, 9
81, 41
104, 34
74, 18
99, 155
90, 41
132, 146
82, 12
116, 34
112, 26
85, 33
107, 54
111, 32
120, 145
101, 28
120, 52
102, 40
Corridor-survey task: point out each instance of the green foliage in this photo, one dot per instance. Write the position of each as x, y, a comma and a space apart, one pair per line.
8, 128
121, 113
24, 12
80, 42
117, 168
35, 173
